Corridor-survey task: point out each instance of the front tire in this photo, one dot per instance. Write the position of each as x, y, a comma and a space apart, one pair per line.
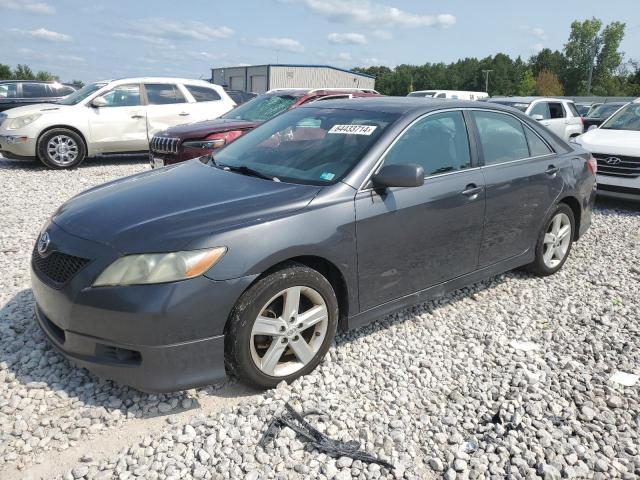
554, 242
281, 327
61, 148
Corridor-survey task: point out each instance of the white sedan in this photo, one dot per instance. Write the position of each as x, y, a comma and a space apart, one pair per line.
107, 118
616, 147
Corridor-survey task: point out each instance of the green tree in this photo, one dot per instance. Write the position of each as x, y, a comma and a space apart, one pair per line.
45, 76
77, 83
5, 72
548, 84
527, 84
23, 72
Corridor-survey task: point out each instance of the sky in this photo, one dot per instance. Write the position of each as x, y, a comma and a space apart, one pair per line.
100, 39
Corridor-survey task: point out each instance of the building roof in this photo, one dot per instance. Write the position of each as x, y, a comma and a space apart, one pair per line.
299, 66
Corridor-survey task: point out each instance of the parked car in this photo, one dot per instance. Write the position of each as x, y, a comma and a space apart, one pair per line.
194, 140
600, 113
453, 94
240, 96
326, 217
557, 114
585, 107
107, 118
616, 146
18, 93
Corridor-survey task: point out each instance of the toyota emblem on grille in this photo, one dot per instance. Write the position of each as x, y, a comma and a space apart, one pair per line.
43, 243
613, 161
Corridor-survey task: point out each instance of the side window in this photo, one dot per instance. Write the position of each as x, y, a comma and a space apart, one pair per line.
34, 90
541, 108
8, 90
63, 91
537, 147
163, 94
501, 136
556, 110
123, 96
201, 94
574, 110
438, 142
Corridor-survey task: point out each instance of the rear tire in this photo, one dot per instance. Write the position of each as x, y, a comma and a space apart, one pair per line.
61, 148
554, 242
281, 327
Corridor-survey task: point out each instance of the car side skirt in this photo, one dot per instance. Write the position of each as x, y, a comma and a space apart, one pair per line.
364, 318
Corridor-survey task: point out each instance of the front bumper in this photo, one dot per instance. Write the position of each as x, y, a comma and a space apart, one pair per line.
16, 146
183, 155
156, 338
619, 187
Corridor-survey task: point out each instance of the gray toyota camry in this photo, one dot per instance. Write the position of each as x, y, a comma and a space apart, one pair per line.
323, 219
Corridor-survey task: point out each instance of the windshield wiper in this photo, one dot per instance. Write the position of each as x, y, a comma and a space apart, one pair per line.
244, 170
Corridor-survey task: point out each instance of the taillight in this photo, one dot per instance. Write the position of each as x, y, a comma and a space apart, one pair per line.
593, 165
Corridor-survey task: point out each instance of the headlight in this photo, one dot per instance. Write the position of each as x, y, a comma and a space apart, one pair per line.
159, 267
19, 122
215, 143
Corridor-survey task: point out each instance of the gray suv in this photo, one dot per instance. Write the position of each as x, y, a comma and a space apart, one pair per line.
18, 93
325, 218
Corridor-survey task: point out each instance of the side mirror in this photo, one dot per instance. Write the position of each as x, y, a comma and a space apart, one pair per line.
399, 176
592, 127
537, 117
99, 102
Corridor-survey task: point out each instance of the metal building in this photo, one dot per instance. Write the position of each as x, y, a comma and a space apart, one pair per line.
260, 78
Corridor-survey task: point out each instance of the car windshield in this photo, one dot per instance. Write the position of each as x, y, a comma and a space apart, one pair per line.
519, 105
603, 111
316, 146
628, 118
262, 108
79, 95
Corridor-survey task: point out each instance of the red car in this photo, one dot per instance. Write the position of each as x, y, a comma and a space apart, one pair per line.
194, 140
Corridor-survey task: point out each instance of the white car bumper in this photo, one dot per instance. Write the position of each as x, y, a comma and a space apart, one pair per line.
17, 146
619, 187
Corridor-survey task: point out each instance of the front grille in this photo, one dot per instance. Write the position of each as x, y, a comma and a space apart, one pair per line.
58, 268
627, 167
164, 144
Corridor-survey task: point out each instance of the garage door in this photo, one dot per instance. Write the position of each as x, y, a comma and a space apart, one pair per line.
258, 83
237, 83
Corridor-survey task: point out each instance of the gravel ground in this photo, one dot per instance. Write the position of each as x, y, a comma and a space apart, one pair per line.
509, 378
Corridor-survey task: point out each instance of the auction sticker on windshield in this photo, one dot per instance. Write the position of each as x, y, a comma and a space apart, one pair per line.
353, 129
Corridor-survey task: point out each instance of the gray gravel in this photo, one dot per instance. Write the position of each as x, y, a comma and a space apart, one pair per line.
509, 378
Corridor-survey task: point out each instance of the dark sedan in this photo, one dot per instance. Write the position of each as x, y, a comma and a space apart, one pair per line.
323, 219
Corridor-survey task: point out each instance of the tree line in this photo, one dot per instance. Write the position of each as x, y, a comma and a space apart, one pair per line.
24, 72
590, 63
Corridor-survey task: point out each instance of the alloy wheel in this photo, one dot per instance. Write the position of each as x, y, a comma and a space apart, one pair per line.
557, 240
62, 150
289, 331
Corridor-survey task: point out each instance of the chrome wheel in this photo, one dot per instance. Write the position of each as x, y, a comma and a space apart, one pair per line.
62, 150
557, 240
289, 331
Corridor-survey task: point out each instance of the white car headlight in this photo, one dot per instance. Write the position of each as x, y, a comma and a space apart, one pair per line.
159, 267
19, 122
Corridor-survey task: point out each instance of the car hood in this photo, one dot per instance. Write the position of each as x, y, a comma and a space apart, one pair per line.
207, 127
176, 208
43, 108
620, 142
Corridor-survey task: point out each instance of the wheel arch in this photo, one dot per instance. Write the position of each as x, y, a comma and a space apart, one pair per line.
68, 127
574, 205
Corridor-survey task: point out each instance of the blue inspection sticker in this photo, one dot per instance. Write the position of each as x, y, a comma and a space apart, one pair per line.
327, 176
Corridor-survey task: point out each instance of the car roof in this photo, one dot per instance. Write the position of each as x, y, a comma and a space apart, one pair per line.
158, 79
402, 105
527, 99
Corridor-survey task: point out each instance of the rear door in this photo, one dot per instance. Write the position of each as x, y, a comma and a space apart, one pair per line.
523, 179
121, 125
167, 106
558, 120
412, 238
207, 103
575, 126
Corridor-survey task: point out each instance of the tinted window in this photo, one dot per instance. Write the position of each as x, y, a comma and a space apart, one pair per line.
537, 146
203, 94
541, 108
501, 136
163, 93
34, 90
556, 110
307, 145
438, 143
123, 96
8, 90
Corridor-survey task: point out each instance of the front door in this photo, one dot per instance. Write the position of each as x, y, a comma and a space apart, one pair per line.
412, 238
523, 178
120, 125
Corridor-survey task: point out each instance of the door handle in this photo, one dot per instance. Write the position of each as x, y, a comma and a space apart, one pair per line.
471, 190
137, 116
552, 170
184, 114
